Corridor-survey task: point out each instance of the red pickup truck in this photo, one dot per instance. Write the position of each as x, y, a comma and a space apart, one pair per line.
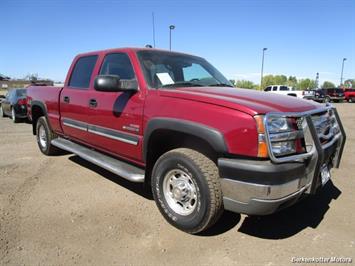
349, 95
172, 121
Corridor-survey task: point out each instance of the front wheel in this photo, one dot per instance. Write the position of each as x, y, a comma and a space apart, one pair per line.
351, 99
187, 190
45, 136
327, 99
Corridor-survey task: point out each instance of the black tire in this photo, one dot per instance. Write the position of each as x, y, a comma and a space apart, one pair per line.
351, 99
327, 99
48, 134
13, 115
203, 175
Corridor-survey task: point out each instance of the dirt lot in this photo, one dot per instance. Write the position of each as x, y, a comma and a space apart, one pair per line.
62, 210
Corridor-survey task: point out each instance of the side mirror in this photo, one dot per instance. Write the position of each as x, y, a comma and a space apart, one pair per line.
113, 83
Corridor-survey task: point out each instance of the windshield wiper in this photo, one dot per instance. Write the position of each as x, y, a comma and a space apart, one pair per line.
180, 84
220, 85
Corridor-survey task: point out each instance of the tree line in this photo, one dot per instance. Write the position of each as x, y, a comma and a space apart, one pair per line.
291, 81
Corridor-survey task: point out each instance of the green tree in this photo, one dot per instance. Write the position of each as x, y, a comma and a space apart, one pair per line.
245, 84
267, 81
280, 80
305, 84
351, 81
292, 81
328, 85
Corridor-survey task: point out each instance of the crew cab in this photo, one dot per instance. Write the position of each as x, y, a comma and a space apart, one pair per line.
173, 122
284, 90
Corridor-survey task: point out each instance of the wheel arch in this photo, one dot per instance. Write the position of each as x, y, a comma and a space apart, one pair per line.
38, 109
164, 134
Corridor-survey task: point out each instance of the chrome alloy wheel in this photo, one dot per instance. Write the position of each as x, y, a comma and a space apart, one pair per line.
42, 136
180, 192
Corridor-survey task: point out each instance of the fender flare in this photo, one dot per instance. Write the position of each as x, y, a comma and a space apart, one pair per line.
213, 136
44, 109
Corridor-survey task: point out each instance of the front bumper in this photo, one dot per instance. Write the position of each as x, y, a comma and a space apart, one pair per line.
257, 187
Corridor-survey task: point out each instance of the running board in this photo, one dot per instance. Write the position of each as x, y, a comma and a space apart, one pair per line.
115, 166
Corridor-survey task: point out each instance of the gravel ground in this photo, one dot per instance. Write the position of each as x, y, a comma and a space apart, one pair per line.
62, 211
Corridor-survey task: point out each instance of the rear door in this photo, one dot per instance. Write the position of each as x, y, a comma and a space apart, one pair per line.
74, 98
116, 117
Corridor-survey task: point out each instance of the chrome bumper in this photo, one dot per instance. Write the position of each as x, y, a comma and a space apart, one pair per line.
243, 193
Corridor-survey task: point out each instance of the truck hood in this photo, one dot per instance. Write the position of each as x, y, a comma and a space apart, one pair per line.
249, 101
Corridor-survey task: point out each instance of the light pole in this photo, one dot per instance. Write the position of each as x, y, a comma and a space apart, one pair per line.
342, 70
262, 68
171, 27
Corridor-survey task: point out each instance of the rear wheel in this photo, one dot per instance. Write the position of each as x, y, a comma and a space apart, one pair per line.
13, 115
187, 190
327, 99
351, 99
45, 136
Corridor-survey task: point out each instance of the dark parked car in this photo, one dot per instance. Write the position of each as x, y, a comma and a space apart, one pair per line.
14, 105
334, 94
317, 95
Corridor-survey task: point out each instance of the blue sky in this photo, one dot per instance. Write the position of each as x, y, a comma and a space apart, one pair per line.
303, 37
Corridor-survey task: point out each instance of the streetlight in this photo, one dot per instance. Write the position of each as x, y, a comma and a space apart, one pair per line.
342, 70
262, 68
171, 27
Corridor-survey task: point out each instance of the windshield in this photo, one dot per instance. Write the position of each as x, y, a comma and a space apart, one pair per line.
170, 70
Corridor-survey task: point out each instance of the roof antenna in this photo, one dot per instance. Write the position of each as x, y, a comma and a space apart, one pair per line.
153, 24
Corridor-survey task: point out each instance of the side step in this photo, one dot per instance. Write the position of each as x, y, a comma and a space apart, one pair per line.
115, 166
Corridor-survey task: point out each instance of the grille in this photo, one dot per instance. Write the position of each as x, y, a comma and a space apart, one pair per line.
325, 125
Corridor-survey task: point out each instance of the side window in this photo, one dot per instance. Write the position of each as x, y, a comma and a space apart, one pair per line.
274, 88
117, 64
267, 89
80, 77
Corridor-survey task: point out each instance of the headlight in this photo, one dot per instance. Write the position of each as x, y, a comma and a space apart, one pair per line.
278, 124
285, 135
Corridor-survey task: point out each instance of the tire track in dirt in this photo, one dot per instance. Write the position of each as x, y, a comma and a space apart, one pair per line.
10, 216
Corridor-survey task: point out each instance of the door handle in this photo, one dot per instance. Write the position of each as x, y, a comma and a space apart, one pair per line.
66, 99
93, 103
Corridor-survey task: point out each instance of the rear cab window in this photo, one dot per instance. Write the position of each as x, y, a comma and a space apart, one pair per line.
82, 71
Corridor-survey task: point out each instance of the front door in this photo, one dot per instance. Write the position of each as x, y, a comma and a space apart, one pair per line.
116, 117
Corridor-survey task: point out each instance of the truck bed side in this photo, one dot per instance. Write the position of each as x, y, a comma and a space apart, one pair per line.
44, 100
